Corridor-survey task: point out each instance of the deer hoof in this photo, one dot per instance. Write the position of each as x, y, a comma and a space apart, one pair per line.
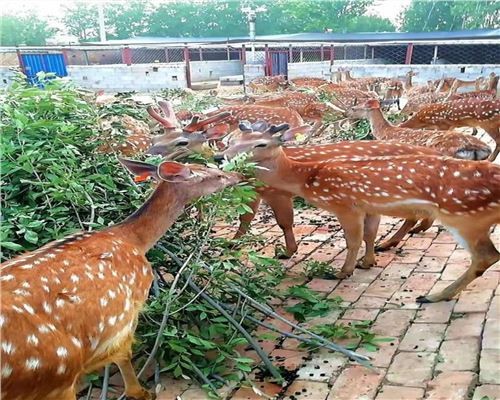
384, 246
366, 265
423, 299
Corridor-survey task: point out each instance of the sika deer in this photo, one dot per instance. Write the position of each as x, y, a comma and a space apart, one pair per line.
253, 113
474, 113
268, 84
307, 82
448, 143
417, 102
141, 139
464, 195
71, 307
281, 202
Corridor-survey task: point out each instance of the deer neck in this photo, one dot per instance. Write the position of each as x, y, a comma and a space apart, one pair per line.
281, 172
408, 82
378, 124
150, 222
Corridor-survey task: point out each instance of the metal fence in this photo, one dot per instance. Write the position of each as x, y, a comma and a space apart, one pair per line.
464, 52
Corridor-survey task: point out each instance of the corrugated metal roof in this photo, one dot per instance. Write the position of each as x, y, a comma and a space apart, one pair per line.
324, 37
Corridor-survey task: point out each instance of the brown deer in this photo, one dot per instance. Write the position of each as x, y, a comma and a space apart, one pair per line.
448, 143
71, 307
265, 84
280, 201
470, 112
417, 102
140, 138
343, 97
448, 84
307, 82
464, 195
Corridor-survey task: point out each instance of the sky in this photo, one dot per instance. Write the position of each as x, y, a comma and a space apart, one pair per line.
53, 8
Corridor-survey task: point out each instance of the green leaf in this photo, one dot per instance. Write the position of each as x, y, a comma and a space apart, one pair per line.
31, 237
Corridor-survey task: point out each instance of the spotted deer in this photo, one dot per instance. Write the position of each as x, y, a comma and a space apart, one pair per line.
470, 112
265, 84
485, 94
464, 195
140, 138
253, 113
307, 82
416, 102
281, 202
71, 307
448, 143
343, 97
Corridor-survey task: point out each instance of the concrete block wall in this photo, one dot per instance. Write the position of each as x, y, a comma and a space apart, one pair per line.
318, 69
6, 76
252, 71
213, 70
424, 72
138, 77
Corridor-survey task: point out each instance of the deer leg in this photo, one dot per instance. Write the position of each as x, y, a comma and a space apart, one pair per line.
133, 389
246, 219
68, 394
370, 234
352, 224
424, 224
483, 255
282, 206
398, 236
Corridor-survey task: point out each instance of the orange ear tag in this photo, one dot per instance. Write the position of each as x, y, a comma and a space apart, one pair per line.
141, 178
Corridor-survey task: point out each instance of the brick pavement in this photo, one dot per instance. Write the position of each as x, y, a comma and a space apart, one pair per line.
447, 350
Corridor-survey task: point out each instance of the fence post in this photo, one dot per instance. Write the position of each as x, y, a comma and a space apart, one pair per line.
65, 56
228, 52
243, 54
188, 68
127, 55
201, 53
267, 66
332, 54
290, 53
166, 55
20, 60
435, 57
409, 53
322, 54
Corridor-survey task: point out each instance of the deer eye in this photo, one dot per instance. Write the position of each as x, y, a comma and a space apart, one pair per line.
260, 145
183, 143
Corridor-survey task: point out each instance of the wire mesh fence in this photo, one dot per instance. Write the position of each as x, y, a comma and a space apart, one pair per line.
369, 53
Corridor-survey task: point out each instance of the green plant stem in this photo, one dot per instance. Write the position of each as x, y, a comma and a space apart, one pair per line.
271, 368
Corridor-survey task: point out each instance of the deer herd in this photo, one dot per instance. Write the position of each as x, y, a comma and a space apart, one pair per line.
71, 306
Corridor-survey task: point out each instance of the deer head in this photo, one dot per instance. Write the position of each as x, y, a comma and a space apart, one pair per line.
260, 140
193, 179
363, 110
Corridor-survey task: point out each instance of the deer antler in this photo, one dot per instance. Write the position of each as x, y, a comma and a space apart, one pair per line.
169, 121
197, 125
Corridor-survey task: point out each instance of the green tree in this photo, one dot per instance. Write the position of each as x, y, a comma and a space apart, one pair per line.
81, 20
369, 23
27, 30
125, 20
432, 15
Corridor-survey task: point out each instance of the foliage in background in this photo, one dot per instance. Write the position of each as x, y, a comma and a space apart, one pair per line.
439, 15
28, 30
53, 181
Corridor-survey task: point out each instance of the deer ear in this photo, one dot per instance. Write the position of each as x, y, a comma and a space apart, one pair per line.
295, 133
260, 126
217, 131
142, 171
245, 126
171, 171
278, 128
